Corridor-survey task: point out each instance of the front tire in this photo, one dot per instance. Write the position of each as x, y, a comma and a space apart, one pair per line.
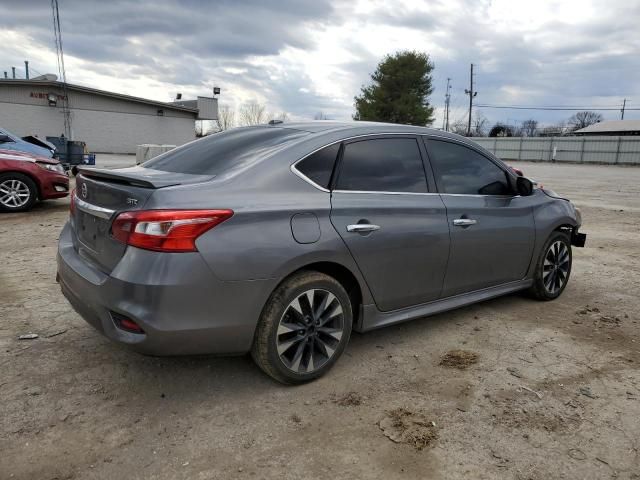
18, 192
304, 328
553, 268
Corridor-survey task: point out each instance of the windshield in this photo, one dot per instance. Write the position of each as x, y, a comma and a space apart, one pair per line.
225, 151
6, 132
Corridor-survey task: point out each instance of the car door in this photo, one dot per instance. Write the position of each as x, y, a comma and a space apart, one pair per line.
492, 228
395, 228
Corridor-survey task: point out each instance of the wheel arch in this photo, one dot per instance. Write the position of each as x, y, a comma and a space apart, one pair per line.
344, 276
565, 227
565, 224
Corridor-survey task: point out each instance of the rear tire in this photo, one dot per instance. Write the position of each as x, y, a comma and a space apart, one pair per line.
553, 268
303, 329
18, 192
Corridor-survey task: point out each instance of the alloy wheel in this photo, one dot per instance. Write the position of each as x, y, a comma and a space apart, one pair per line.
14, 193
310, 330
555, 269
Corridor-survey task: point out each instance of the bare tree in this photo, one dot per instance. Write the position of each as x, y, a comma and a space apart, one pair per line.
553, 130
479, 125
282, 116
320, 116
205, 127
584, 119
226, 118
252, 113
530, 128
459, 127
199, 129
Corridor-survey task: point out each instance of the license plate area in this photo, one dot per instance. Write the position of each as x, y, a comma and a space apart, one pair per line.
91, 230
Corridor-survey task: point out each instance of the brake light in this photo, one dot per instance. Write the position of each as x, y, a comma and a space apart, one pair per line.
72, 205
166, 230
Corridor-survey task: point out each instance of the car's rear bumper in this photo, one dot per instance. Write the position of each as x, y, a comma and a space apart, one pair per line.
181, 306
53, 185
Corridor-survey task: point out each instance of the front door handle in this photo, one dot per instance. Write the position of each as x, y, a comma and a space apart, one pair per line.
464, 222
362, 228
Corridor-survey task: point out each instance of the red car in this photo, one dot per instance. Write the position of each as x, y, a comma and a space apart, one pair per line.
26, 178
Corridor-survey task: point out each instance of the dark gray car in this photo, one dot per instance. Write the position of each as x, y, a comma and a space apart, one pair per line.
280, 240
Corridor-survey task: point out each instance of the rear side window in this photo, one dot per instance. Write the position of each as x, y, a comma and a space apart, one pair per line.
318, 166
382, 165
461, 170
225, 151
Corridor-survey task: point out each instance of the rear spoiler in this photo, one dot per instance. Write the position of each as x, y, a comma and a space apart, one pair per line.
141, 177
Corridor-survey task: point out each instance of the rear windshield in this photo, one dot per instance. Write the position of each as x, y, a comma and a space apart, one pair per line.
225, 151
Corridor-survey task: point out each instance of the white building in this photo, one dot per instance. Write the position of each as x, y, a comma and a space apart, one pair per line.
107, 122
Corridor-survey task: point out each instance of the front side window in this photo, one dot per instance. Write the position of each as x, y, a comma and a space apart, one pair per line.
461, 170
318, 166
382, 165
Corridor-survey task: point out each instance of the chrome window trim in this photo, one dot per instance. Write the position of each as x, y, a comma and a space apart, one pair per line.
475, 195
94, 210
304, 177
314, 184
381, 192
429, 135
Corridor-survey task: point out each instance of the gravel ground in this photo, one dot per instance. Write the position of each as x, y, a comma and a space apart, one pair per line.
510, 388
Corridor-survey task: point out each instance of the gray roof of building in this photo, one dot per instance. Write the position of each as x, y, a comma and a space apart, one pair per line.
94, 91
612, 126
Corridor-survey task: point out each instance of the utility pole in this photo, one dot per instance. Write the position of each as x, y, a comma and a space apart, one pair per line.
624, 104
447, 100
471, 94
448, 96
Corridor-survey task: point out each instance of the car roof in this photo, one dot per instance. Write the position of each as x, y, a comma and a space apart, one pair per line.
331, 125
354, 128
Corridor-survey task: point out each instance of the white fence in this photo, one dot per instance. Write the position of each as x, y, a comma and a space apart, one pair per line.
608, 150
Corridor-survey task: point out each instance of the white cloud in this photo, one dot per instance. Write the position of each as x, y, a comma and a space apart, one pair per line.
306, 57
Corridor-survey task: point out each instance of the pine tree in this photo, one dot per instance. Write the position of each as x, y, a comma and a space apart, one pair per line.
399, 92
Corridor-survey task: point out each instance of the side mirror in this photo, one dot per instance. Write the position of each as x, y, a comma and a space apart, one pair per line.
5, 138
524, 186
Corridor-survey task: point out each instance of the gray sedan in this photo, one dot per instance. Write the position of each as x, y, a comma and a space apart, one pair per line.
281, 240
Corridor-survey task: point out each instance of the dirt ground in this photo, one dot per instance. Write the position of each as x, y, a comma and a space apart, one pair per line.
552, 391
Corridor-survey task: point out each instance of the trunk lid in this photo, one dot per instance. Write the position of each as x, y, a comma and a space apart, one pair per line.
102, 194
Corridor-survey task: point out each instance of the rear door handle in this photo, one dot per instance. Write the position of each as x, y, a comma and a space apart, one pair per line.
464, 222
362, 228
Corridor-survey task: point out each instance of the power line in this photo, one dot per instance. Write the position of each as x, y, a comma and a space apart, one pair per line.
559, 108
61, 70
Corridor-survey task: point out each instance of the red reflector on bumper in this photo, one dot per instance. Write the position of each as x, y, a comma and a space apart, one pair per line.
126, 324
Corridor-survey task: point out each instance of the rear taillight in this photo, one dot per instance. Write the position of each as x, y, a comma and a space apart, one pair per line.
72, 205
166, 230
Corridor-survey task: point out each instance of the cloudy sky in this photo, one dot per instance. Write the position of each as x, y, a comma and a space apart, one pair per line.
303, 57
